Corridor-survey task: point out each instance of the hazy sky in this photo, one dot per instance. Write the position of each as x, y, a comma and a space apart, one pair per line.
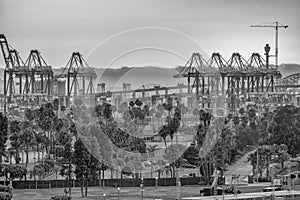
152, 32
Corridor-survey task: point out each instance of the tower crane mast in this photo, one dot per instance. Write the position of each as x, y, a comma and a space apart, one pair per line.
275, 25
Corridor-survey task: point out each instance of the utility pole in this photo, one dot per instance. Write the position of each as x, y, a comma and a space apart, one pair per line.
275, 25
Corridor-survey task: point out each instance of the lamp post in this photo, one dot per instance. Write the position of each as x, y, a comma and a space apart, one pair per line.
156, 181
34, 173
167, 166
10, 180
104, 195
142, 191
4, 168
256, 161
118, 193
142, 188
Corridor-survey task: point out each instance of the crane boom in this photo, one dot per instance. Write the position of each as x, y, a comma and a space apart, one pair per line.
275, 25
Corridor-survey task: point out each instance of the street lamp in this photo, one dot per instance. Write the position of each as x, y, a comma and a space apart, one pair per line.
256, 161
156, 181
118, 193
142, 188
104, 195
34, 173
142, 191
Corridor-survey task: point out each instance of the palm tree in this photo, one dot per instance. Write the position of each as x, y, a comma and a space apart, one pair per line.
242, 111
15, 129
196, 113
3, 135
159, 112
26, 137
152, 113
161, 164
39, 140
151, 152
158, 115
203, 129
164, 132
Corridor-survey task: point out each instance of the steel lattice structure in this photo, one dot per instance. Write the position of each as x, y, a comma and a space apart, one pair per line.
291, 81
15, 68
78, 73
42, 74
237, 77
24, 75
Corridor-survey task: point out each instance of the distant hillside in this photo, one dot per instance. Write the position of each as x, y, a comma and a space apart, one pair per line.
288, 69
138, 76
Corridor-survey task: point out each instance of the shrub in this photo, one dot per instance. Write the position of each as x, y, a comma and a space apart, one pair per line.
293, 176
5, 196
61, 198
5, 188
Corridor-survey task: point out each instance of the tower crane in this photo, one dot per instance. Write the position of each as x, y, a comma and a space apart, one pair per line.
275, 25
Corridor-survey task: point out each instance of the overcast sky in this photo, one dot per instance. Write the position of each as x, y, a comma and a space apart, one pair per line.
165, 33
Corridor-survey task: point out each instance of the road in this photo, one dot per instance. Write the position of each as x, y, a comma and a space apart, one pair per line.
241, 167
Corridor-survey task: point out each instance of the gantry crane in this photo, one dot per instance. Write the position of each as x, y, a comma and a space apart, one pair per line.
77, 70
275, 25
41, 73
14, 69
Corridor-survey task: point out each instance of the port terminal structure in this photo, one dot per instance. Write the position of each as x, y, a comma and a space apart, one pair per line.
236, 81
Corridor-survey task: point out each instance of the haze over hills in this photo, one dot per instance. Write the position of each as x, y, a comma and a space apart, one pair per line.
288, 69
149, 75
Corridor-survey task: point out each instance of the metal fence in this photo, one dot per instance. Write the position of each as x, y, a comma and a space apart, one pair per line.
148, 182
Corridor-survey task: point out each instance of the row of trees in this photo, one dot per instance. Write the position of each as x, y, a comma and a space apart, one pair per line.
279, 138
88, 140
272, 131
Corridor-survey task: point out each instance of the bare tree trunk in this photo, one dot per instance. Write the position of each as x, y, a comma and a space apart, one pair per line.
38, 151
151, 169
100, 178
81, 187
42, 149
27, 156
70, 181
267, 168
206, 171
152, 119
103, 177
86, 184
17, 156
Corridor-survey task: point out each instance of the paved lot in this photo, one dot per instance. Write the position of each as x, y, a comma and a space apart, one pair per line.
241, 167
249, 195
150, 193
